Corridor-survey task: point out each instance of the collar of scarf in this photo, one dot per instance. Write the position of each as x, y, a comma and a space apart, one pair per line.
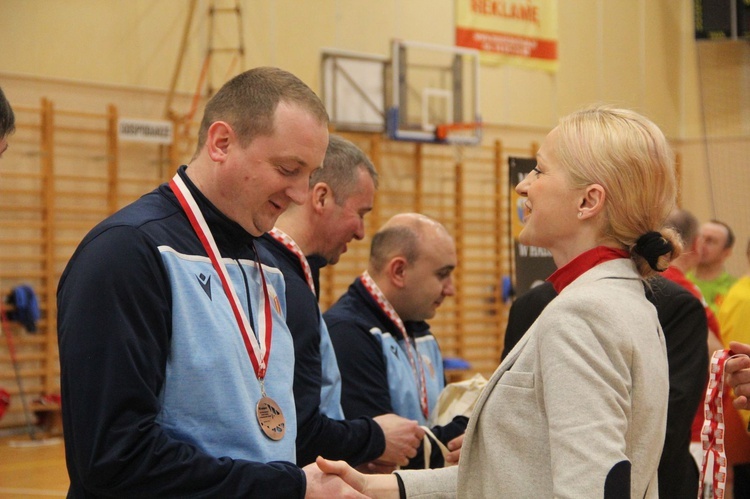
414, 359
583, 262
292, 246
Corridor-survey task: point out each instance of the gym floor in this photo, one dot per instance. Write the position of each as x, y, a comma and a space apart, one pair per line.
32, 469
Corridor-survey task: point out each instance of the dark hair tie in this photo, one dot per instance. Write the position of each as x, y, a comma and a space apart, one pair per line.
651, 246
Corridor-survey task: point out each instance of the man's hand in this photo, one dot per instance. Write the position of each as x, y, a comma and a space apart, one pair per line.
321, 485
402, 439
374, 486
737, 370
454, 446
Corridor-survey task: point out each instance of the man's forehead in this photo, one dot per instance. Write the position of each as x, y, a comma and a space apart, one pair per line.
712, 230
442, 254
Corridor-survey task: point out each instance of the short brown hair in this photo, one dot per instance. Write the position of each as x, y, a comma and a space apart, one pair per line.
248, 103
402, 235
685, 224
730, 233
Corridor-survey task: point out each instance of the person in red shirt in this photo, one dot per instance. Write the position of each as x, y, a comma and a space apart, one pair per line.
737, 440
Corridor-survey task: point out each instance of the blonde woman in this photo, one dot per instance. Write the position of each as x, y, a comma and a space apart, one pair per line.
578, 407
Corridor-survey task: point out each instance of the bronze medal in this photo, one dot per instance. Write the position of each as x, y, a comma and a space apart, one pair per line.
270, 418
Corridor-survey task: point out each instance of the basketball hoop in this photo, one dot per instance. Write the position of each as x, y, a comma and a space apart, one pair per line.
459, 133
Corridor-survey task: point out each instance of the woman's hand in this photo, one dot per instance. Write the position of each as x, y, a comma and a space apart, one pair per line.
374, 486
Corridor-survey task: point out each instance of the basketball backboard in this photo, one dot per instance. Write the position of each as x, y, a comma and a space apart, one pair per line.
354, 89
425, 92
432, 93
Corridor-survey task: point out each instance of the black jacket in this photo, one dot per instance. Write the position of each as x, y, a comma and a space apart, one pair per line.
354, 440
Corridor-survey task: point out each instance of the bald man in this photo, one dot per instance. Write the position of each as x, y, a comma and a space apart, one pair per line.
389, 360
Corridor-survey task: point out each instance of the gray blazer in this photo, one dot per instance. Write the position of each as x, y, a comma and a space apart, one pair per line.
586, 388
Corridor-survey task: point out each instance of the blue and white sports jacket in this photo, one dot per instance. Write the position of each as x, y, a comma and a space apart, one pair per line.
377, 377
159, 394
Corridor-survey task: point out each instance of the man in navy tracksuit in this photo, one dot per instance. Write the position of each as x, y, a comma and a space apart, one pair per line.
305, 238
389, 360
176, 362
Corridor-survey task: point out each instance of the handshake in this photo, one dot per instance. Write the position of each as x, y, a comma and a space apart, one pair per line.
326, 479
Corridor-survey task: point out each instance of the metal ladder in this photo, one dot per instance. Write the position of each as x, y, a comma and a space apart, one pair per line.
222, 58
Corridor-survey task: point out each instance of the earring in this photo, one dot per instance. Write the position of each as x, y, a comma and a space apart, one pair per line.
580, 214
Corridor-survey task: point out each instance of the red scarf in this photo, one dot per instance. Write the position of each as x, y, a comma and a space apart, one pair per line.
583, 262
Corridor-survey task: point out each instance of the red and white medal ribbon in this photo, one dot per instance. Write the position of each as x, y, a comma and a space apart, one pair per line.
292, 246
712, 434
416, 365
257, 349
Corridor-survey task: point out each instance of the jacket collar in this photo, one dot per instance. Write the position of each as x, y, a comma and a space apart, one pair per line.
413, 328
227, 233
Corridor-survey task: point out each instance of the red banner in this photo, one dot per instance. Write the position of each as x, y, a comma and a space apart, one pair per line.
520, 32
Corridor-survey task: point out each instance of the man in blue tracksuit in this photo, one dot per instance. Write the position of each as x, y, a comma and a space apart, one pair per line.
305, 238
389, 360
176, 362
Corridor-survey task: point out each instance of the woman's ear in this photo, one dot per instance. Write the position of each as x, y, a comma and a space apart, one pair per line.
592, 201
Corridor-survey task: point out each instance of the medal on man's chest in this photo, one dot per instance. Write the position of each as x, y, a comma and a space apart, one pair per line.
270, 418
